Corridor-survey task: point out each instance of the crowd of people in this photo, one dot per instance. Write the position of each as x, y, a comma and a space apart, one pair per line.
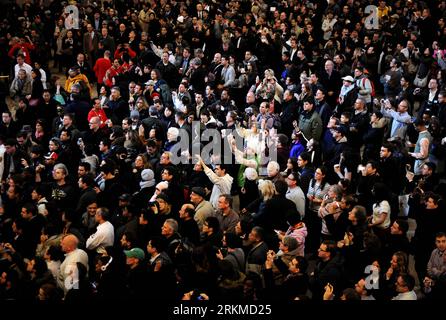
325, 177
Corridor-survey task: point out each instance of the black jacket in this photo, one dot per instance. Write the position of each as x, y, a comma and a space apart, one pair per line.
327, 272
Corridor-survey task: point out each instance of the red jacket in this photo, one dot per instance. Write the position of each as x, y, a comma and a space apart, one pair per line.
118, 55
26, 48
101, 114
100, 68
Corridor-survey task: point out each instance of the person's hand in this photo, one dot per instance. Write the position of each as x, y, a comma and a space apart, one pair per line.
154, 208
10, 247
187, 296
328, 294
219, 255
141, 131
337, 168
271, 254
389, 273
269, 259
158, 266
348, 238
332, 207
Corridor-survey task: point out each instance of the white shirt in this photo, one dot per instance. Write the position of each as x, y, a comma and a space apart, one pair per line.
432, 95
222, 185
68, 266
25, 67
378, 210
298, 197
103, 237
411, 295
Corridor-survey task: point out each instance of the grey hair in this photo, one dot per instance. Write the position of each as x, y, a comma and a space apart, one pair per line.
290, 243
61, 166
173, 224
337, 190
274, 165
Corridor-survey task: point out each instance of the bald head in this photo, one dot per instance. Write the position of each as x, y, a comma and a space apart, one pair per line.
69, 243
187, 211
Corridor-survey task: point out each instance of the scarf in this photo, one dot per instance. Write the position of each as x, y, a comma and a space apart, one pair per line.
345, 90
147, 184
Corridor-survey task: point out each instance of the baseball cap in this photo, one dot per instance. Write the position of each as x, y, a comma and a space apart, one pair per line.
124, 197
348, 78
150, 83
199, 191
135, 253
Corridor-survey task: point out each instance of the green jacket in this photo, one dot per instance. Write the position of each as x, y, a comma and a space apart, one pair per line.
311, 125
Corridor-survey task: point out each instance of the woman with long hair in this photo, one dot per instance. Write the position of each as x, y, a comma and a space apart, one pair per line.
143, 107
266, 192
40, 136
138, 166
317, 189
399, 264
291, 166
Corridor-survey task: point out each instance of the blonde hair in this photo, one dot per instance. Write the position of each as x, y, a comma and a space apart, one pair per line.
267, 189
